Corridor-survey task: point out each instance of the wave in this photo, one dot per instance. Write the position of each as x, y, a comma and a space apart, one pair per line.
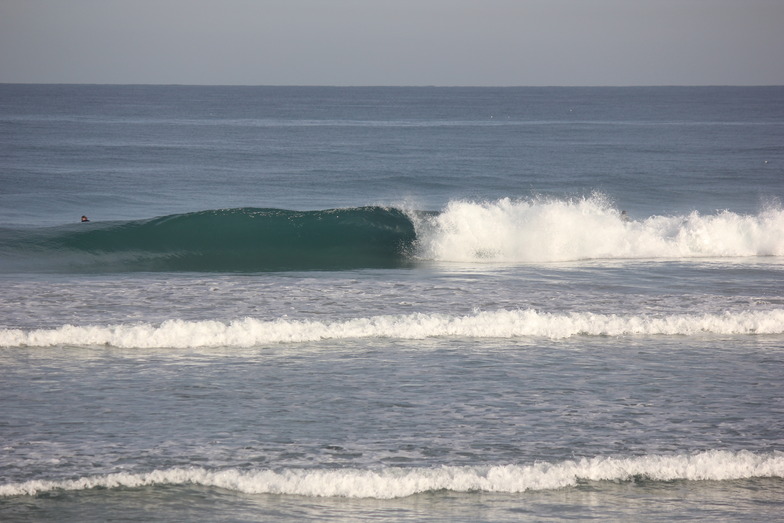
388, 483
551, 230
503, 231
250, 332
245, 239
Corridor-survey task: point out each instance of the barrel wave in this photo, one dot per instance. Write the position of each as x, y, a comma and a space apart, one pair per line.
244, 239
506, 231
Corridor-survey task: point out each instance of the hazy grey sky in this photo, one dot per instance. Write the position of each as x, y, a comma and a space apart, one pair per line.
393, 42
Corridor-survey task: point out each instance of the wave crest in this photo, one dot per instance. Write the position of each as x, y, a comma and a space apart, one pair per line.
250, 332
400, 482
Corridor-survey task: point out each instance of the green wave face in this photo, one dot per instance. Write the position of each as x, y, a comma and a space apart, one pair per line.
246, 239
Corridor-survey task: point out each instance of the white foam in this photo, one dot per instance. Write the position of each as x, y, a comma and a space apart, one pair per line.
533, 231
389, 483
250, 332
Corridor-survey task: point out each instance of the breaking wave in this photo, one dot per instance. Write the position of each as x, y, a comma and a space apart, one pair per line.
387, 483
502, 231
250, 332
533, 231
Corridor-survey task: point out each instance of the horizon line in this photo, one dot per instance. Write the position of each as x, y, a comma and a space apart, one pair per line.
433, 86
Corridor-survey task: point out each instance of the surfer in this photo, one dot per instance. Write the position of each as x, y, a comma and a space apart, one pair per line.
84, 219
624, 216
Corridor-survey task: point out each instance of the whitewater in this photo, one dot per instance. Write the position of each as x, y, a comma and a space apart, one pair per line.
250, 332
536, 231
402, 482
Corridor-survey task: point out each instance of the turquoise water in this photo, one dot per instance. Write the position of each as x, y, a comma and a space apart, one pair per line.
391, 303
221, 240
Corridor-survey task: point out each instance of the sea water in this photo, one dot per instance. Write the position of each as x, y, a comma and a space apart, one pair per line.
391, 303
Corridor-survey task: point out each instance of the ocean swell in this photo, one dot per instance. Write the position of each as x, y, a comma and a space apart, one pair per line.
245, 239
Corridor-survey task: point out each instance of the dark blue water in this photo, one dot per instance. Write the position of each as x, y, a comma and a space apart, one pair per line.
392, 303
138, 151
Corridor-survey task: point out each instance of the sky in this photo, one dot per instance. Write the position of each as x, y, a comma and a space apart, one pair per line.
393, 42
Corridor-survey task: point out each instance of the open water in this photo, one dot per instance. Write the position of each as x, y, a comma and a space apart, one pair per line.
404, 304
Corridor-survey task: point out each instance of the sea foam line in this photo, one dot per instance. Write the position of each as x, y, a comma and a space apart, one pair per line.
387, 483
250, 332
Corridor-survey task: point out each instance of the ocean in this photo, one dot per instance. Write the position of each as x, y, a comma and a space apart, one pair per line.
401, 304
